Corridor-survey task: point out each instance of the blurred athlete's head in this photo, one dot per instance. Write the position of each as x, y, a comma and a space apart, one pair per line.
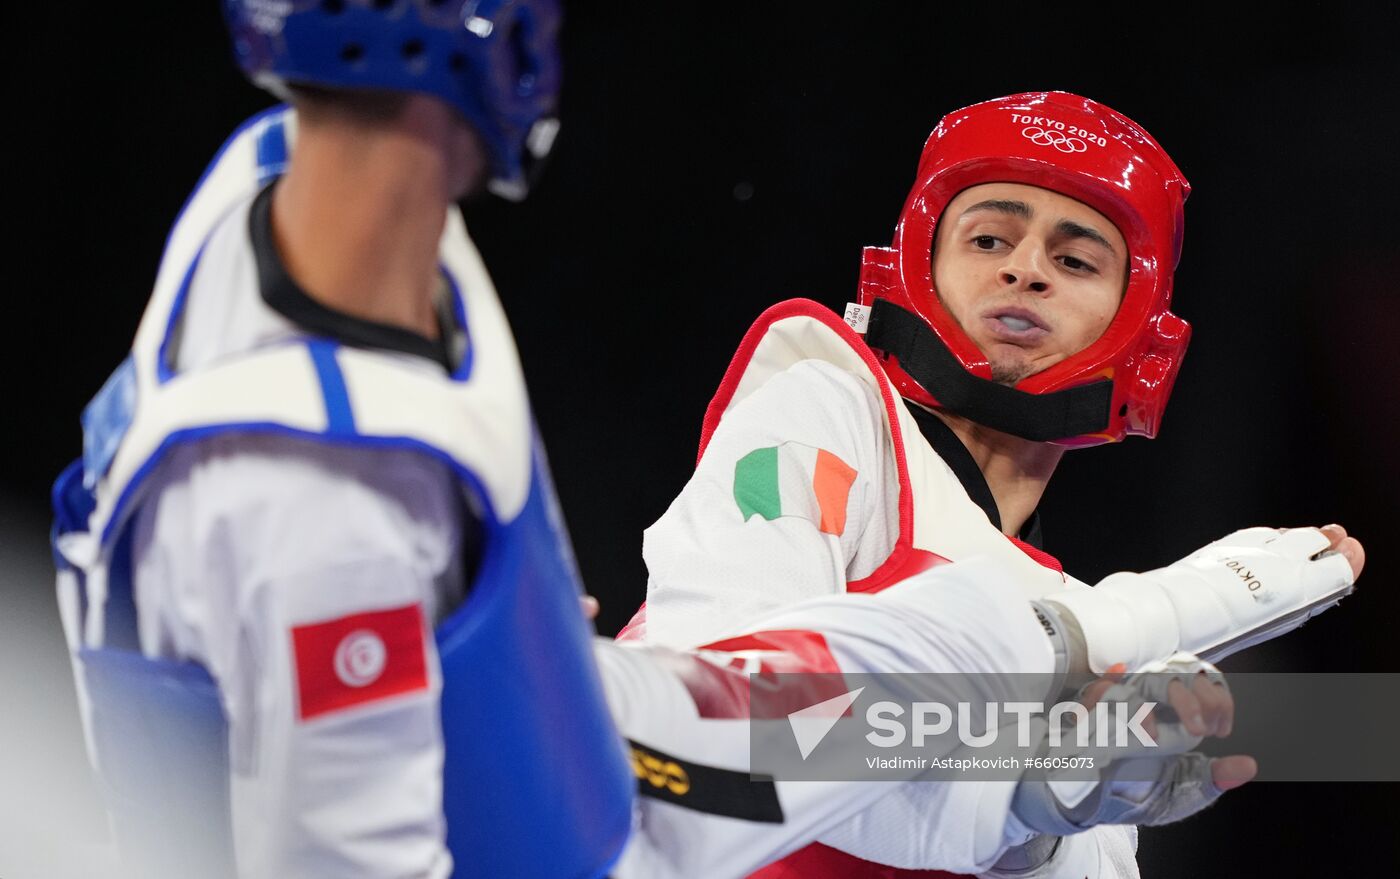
495, 62
1030, 278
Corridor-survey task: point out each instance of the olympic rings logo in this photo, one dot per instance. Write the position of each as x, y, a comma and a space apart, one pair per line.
660, 773
1043, 137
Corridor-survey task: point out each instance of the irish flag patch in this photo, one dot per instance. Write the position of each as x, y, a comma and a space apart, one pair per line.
794, 479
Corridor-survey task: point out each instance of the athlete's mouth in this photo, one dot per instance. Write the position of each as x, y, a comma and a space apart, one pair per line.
1014, 322
1016, 325
1017, 319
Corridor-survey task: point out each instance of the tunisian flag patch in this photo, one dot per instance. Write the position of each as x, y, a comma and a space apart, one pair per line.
360, 658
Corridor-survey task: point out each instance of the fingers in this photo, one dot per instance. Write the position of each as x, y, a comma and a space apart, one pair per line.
1092, 693
1205, 707
1306, 541
1188, 708
1348, 547
1352, 551
1217, 705
589, 605
1228, 773
1337, 540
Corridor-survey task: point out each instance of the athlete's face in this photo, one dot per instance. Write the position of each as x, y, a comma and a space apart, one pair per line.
1032, 276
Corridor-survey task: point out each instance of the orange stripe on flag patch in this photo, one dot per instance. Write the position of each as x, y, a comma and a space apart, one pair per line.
831, 483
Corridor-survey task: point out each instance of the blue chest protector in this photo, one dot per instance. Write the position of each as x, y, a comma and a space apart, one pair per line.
535, 778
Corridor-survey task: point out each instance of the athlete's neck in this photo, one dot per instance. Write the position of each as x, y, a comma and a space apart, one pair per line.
358, 216
1017, 470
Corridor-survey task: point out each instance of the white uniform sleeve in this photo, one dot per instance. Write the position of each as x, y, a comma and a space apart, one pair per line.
711, 565
306, 579
710, 568
879, 833
955, 617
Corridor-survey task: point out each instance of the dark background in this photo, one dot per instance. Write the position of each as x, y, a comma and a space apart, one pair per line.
716, 159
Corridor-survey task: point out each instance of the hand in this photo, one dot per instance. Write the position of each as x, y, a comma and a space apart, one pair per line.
1243, 589
1205, 709
1139, 784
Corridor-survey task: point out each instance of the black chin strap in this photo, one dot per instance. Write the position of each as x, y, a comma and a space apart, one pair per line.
1039, 417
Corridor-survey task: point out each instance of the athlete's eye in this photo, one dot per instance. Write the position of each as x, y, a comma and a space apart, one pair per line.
985, 242
1074, 263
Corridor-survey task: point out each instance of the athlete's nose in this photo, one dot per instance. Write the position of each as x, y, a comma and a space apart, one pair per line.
1024, 268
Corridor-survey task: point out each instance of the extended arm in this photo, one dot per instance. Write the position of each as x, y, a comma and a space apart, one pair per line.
1247, 587
690, 706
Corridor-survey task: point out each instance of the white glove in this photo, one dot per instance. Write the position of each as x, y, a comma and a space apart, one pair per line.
1245, 588
1141, 785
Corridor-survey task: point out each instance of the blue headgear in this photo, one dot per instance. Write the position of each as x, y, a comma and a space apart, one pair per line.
496, 61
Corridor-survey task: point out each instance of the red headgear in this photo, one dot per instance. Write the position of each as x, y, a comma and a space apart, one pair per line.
1079, 148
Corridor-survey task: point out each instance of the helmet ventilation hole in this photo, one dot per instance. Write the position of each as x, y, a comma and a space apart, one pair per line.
351, 53
332, 7
412, 49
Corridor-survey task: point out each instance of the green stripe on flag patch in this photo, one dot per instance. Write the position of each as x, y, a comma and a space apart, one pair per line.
794, 479
756, 484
